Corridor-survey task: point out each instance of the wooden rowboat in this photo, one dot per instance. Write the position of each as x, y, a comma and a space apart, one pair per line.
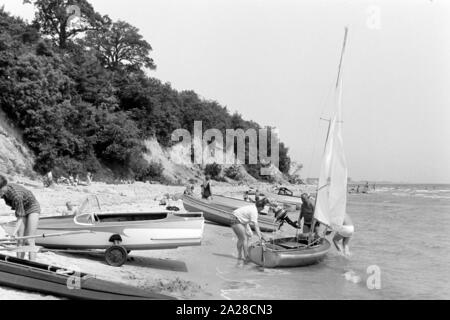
288, 252
220, 209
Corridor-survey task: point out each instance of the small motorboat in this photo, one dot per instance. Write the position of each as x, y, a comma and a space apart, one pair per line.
120, 233
42, 278
220, 209
289, 252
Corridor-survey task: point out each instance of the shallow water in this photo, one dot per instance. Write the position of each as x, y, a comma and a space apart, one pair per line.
401, 230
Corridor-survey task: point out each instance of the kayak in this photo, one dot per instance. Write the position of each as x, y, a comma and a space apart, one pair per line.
288, 252
220, 210
120, 233
51, 280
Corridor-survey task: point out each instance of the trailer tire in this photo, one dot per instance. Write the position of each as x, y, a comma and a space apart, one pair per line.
116, 256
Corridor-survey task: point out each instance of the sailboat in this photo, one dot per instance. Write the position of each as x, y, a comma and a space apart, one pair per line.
331, 201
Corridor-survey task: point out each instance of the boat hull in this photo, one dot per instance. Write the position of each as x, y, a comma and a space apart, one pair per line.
221, 213
137, 231
275, 256
291, 203
45, 279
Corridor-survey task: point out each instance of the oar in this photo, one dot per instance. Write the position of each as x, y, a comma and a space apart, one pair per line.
44, 235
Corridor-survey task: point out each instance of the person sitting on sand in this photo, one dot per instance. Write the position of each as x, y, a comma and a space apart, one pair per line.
206, 188
72, 210
306, 213
345, 234
27, 212
89, 178
242, 218
189, 191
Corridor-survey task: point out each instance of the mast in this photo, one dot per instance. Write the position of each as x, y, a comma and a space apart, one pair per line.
342, 57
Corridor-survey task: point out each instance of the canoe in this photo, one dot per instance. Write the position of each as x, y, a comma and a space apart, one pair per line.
51, 280
220, 210
288, 253
120, 233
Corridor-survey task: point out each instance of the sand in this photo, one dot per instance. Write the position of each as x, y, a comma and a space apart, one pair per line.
186, 273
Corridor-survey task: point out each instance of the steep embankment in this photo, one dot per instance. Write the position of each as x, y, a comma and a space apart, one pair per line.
179, 169
15, 157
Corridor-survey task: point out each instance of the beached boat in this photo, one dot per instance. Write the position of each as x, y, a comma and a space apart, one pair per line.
330, 207
220, 209
285, 196
120, 233
51, 280
289, 252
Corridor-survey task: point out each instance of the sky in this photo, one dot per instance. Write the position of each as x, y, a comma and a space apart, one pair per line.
276, 62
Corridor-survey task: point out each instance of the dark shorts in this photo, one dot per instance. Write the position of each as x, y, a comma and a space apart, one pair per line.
234, 221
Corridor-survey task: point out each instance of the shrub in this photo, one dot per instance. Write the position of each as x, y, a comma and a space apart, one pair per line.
233, 172
144, 171
214, 170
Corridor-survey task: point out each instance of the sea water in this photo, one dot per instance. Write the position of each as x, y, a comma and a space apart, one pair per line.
400, 251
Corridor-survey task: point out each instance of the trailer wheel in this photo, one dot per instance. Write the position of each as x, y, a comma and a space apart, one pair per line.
116, 256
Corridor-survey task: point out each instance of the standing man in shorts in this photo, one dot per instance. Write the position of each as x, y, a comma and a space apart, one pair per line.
27, 212
345, 234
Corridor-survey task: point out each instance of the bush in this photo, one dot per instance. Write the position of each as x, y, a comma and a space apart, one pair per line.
233, 172
214, 170
144, 171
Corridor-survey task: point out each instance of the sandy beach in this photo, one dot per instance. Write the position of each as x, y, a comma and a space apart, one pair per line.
210, 271
186, 273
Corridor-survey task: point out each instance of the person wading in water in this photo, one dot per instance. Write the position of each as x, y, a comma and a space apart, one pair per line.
27, 212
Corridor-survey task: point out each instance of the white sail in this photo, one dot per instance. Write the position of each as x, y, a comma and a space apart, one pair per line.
331, 199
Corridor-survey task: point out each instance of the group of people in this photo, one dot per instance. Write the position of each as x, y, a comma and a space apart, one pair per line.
365, 189
72, 180
27, 211
206, 192
247, 216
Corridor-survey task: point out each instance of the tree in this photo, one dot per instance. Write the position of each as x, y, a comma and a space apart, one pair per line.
121, 45
54, 18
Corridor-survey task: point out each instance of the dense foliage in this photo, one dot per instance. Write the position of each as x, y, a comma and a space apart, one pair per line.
83, 99
213, 170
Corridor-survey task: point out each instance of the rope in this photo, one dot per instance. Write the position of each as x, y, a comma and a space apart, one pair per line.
316, 132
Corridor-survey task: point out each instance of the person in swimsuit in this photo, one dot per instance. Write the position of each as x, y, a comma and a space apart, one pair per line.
306, 213
206, 188
27, 212
241, 222
189, 191
344, 234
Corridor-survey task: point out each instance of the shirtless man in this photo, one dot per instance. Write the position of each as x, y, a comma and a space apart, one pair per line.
345, 234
